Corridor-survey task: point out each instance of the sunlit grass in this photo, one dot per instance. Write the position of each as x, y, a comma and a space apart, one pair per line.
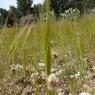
73, 40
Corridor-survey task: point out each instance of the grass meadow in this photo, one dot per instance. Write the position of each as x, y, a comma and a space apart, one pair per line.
28, 55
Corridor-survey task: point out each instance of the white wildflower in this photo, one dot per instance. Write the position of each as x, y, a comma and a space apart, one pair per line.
84, 93
71, 76
33, 76
74, 10
41, 65
66, 56
67, 11
18, 66
70, 9
77, 75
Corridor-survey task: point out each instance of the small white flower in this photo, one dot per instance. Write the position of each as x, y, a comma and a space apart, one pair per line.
18, 66
84, 93
41, 65
66, 56
70, 9
33, 75
67, 11
77, 75
74, 10
71, 76
52, 81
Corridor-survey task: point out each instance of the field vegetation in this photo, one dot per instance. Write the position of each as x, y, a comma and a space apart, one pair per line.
53, 56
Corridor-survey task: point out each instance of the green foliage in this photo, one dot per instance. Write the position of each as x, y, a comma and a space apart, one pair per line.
24, 6
38, 9
16, 14
3, 16
59, 6
91, 3
55, 6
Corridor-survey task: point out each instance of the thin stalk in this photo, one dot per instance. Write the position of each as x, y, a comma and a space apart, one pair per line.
47, 42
